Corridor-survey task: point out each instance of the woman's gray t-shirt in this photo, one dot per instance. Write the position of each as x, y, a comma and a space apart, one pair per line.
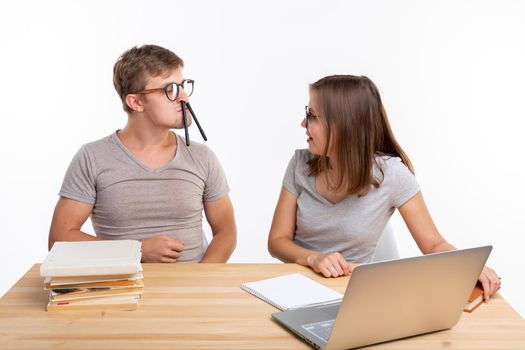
354, 225
132, 201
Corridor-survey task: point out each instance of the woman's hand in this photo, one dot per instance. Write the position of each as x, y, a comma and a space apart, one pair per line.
490, 282
330, 265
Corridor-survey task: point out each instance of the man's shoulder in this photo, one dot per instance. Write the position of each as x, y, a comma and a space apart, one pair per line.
197, 150
198, 159
100, 145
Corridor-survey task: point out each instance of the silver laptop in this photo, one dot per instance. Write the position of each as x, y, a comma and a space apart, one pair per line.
392, 299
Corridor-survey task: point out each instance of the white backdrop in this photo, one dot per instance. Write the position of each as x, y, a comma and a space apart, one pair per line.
450, 73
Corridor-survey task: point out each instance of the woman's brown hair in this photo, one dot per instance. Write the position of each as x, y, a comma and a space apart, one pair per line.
352, 109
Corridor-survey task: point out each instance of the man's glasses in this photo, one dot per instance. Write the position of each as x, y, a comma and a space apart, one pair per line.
172, 90
309, 116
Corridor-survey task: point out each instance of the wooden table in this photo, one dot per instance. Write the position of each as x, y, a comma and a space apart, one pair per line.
200, 306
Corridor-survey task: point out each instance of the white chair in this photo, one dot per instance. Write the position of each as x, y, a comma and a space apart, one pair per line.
205, 242
386, 248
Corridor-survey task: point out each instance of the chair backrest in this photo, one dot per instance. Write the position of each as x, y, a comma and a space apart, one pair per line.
204, 241
386, 248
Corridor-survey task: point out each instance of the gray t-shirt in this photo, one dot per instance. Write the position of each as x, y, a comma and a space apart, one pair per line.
132, 201
353, 226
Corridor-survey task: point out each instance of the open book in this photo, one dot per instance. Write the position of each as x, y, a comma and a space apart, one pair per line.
292, 292
475, 299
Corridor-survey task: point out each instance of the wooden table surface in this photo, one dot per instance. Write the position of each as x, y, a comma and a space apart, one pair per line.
201, 306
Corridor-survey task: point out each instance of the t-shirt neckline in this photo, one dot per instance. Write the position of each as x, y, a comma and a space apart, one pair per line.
130, 154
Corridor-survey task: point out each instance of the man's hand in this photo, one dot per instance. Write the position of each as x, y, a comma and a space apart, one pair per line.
329, 265
161, 249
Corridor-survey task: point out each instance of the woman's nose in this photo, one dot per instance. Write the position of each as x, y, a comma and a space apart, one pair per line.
303, 123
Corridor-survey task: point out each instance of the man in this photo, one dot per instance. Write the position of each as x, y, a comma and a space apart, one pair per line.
143, 182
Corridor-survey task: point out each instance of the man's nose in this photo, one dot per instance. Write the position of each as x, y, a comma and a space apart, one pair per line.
182, 96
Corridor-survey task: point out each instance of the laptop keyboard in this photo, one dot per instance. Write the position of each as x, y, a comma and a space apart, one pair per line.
331, 310
321, 330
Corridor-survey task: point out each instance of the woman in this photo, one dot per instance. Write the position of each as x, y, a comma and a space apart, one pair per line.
338, 195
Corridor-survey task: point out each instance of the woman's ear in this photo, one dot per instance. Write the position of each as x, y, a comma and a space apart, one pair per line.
134, 102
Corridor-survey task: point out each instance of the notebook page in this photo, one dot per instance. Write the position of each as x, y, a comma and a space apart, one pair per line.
292, 291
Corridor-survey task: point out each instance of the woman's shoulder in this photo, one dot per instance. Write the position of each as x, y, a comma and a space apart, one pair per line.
296, 175
392, 168
388, 160
398, 179
299, 160
391, 165
302, 155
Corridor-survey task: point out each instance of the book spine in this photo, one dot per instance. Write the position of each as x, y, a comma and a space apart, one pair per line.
93, 307
253, 292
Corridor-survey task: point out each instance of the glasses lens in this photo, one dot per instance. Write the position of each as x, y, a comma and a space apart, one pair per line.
171, 91
187, 85
309, 116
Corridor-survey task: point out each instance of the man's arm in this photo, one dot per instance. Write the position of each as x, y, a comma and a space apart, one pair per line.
220, 216
68, 218
70, 215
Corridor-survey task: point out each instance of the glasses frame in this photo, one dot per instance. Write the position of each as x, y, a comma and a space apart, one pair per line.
165, 89
309, 115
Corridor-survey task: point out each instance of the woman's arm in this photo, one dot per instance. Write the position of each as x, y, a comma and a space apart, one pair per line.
422, 227
282, 246
429, 240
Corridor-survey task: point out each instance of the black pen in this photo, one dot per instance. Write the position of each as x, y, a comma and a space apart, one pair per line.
196, 121
185, 122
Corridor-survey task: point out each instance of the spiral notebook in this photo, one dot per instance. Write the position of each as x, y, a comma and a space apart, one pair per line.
292, 292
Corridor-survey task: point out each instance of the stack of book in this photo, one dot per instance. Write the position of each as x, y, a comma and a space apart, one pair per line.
93, 275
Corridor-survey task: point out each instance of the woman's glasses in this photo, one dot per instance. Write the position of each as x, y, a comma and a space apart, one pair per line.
309, 116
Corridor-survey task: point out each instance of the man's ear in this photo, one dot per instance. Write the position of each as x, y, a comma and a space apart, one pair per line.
134, 102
